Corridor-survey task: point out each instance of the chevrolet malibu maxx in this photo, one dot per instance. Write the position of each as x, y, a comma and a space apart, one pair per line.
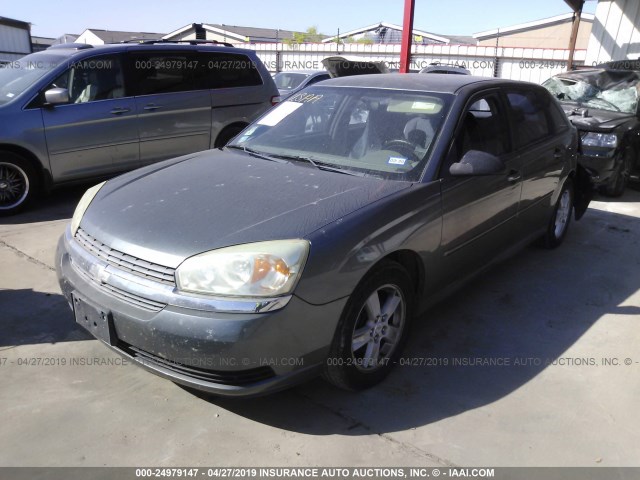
310, 242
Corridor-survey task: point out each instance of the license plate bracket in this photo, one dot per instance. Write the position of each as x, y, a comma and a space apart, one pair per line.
98, 321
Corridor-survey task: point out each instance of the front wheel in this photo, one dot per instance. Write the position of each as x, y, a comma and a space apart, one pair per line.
17, 183
372, 330
561, 217
620, 179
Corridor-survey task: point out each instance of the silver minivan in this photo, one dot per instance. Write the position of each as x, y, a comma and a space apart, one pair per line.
76, 112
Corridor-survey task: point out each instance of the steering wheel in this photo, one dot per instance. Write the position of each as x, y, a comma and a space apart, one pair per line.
403, 147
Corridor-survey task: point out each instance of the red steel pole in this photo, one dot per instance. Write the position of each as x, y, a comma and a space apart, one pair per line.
407, 36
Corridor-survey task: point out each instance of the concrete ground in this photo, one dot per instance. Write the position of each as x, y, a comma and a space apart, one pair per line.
552, 315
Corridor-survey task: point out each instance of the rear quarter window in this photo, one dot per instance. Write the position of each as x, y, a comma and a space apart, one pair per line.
227, 70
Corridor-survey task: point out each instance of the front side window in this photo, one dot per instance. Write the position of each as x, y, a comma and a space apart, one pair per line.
377, 132
92, 79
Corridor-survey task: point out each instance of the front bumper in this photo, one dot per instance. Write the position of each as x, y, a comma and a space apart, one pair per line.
230, 354
603, 166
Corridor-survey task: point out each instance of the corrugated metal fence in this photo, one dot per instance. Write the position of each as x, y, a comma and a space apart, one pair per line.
528, 64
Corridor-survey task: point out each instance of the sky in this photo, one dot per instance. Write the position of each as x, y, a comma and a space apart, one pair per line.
453, 17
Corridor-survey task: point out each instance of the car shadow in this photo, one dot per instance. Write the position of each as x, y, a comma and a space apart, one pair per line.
57, 205
29, 317
528, 311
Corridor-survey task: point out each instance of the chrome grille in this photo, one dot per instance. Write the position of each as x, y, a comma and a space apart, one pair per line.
129, 263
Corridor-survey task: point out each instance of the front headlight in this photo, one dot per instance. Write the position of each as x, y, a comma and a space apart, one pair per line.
264, 269
84, 203
603, 140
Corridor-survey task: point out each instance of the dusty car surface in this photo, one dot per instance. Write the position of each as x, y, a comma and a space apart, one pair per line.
309, 243
76, 112
603, 104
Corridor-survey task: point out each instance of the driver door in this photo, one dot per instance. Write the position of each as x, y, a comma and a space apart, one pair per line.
479, 212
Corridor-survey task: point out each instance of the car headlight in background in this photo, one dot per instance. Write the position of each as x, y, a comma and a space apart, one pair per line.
83, 204
263, 269
603, 140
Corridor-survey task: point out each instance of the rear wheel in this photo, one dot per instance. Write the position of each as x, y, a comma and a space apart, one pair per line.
561, 217
372, 330
227, 135
18, 183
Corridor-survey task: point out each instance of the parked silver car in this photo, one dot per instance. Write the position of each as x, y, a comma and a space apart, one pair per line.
75, 111
291, 82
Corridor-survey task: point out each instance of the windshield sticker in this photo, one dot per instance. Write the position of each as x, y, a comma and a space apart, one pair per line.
279, 113
303, 97
397, 161
424, 106
10, 95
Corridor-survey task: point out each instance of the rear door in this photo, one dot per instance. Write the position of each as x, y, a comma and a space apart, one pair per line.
479, 212
174, 115
96, 132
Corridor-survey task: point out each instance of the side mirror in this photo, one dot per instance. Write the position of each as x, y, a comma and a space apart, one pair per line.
56, 96
475, 162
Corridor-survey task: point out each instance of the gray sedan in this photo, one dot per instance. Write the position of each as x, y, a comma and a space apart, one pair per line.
309, 244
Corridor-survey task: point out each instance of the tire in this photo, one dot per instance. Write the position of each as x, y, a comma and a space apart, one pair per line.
353, 363
227, 134
620, 179
18, 183
560, 219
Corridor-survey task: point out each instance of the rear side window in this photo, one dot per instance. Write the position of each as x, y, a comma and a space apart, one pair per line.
155, 73
530, 121
227, 70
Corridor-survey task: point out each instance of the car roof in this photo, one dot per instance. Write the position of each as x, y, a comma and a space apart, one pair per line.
305, 72
72, 49
419, 82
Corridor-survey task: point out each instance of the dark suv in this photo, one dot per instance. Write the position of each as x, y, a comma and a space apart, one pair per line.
76, 112
602, 102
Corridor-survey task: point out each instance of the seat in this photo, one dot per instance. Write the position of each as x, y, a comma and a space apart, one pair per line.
419, 131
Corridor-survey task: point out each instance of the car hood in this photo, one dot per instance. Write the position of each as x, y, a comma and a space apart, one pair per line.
595, 119
175, 209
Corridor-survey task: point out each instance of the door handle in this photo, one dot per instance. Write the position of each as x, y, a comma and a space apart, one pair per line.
558, 154
119, 110
514, 176
152, 107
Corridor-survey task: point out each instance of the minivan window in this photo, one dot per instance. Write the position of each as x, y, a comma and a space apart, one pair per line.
227, 70
155, 73
92, 79
530, 121
19, 75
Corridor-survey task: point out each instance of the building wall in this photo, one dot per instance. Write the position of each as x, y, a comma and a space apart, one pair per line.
616, 32
554, 36
527, 64
15, 43
89, 38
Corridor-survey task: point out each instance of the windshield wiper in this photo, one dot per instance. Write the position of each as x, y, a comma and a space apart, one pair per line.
321, 165
254, 153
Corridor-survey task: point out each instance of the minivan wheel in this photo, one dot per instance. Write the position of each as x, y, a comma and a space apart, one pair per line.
561, 217
372, 330
18, 183
227, 135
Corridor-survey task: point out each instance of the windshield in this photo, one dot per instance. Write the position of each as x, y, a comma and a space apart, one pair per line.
614, 90
383, 133
289, 81
17, 76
